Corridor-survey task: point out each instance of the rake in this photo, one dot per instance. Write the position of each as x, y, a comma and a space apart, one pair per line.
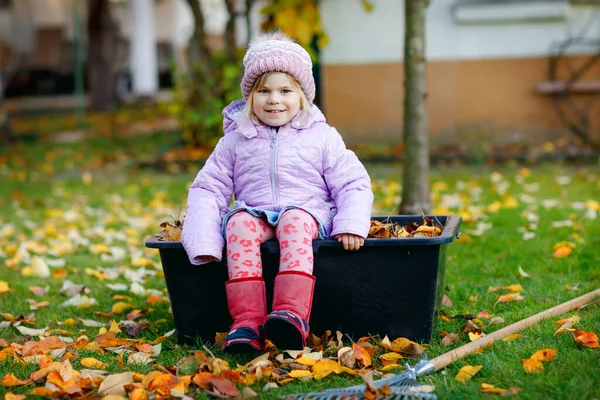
405, 385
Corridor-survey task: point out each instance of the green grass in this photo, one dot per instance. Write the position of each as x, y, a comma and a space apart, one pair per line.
126, 205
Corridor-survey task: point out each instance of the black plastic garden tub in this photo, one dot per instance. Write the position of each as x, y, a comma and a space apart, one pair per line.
389, 287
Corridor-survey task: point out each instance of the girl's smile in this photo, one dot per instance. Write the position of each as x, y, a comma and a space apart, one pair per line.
277, 101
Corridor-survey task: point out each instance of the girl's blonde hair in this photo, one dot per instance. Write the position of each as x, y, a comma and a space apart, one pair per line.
260, 83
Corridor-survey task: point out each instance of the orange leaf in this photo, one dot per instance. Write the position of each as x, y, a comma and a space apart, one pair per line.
532, 366
588, 339
200, 377
11, 380
562, 252
361, 354
233, 376
12, 396
145, 348
138, 394
42, 391
544, 355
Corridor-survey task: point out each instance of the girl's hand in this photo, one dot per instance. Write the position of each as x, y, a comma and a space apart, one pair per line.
350, 241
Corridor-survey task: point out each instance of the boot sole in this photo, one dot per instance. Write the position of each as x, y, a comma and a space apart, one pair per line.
240, 348
283, 334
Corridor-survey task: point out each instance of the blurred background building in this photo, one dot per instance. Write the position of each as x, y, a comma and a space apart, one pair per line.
517, 68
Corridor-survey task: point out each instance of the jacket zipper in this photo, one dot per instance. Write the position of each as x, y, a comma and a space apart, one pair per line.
273, 164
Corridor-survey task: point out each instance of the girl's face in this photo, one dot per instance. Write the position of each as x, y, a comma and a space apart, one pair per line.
277, 101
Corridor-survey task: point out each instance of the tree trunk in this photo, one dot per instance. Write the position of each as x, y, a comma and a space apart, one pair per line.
230, 37
415, 185
102, 43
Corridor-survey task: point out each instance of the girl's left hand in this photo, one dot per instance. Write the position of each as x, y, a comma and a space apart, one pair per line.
350, 241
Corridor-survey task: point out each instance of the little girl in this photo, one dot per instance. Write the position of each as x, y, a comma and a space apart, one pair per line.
293, 179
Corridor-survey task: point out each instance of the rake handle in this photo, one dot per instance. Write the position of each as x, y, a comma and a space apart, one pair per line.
448, 358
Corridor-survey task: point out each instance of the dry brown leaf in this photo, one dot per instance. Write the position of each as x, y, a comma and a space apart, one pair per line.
115, 384
346, 357
450, 339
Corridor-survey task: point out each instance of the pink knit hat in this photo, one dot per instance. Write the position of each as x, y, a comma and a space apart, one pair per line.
277, 52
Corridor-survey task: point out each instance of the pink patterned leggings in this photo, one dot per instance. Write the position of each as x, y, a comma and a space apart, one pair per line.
295, 231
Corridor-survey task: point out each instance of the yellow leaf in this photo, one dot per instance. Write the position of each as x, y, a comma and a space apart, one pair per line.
92, 363
4, 287
512, 337
142, 262
99, 248
97, 274
326, 367
487, 388
505, 298
391, 367
389, 358
573, 320
474, 336
532, 366
514, 288
114, 327
494, 207
299, 373
306, 361
121, 306
467, 372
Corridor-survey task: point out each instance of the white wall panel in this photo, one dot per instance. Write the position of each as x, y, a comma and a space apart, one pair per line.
357, 37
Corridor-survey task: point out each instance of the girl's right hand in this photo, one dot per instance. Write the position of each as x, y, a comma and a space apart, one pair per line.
209, 259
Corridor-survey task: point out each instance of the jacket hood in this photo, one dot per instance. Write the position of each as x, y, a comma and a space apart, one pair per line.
234, 120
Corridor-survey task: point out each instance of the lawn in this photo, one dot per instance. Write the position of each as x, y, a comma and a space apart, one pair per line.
78, 214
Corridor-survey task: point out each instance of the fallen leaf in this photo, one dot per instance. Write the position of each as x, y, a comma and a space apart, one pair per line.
11, 380
544, 355
505, 298
512, 337
450, 339
467, 372
487, 388
92, 363
325, 367
523, 273
532, 366
446, 302
588, 339
12, 396
361, 354
120, 307
389, 358
346, 357
299, 373
4, 287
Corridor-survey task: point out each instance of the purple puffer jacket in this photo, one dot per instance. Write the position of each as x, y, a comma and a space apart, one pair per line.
305, 164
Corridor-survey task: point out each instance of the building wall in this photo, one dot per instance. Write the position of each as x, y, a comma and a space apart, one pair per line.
482, 74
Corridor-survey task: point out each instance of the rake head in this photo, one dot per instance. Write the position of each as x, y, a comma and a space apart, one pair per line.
402, 386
